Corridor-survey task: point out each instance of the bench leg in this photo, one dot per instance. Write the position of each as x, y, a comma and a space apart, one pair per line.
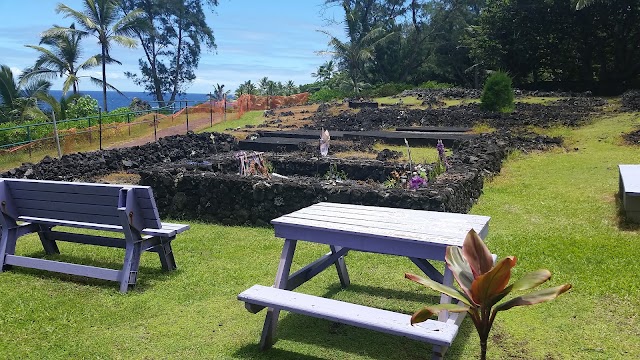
282, 276
129, 272
49, 245
341, 266
7, 245
165, 252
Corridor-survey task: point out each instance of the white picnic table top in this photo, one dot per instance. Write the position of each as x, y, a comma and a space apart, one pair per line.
630, 175
372, 228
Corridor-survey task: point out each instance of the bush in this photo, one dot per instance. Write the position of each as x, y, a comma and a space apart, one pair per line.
389, 89
498, 93
82, 107
326, 94
117, 115
432, 84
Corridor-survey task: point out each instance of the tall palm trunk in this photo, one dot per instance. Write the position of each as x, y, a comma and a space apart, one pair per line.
104, 79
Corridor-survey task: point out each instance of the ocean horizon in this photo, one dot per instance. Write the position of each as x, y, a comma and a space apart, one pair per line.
116, 100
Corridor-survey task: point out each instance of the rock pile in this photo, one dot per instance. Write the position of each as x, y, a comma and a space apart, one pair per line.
90, 165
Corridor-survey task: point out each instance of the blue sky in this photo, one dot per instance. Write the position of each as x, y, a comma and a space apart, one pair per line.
255, 38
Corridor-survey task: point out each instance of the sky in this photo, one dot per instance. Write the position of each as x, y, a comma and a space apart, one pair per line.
255, 38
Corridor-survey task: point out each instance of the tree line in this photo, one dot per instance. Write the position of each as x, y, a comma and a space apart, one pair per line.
551, 44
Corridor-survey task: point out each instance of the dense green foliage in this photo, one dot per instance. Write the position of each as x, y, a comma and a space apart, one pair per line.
82, 107
326, 94
542, 44
497, 94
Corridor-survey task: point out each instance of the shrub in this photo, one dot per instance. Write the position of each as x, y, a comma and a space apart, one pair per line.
389, 89
117, 115
326, 94
432, 84
498, 93
82, 107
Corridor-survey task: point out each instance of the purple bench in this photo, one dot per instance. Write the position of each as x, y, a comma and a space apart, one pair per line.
37, 206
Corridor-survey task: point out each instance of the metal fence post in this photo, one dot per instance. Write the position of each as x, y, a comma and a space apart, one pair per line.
100, 123
55, 132
129, 124
29, 139
186, 110
90, 132
210, 110
155, 128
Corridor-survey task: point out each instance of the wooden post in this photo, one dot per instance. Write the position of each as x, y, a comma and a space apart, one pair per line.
210, 110
55, 133
129, 124
155, 128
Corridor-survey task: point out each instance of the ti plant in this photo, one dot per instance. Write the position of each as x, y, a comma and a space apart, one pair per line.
483, 285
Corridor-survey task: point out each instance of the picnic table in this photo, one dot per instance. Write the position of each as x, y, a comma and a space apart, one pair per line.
629, 184
421, 236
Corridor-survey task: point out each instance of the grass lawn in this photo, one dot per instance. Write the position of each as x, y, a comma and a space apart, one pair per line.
249, 118
555, 210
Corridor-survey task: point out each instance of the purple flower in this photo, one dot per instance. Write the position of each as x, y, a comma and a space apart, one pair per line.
416, 182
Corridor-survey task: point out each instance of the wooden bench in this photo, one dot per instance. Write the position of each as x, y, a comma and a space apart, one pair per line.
629, 183
30, 206
389, 322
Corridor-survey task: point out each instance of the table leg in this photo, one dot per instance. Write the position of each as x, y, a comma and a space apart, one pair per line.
446, 299
282, 276
341, 266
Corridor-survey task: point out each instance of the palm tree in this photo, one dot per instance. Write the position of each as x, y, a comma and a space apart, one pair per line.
250, 88
18, 100
354, 54
325, 71
61, 58
101, 18
219, 93
264, 85
290, 88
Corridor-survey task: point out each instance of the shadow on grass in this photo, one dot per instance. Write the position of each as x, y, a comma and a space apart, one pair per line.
623, 223
349, 339
146, 274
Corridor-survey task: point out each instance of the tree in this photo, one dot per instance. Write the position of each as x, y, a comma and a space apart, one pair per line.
101, 19
18, 100
290, 88
219, 93
60, 58
325, 71
172, 36
354, 54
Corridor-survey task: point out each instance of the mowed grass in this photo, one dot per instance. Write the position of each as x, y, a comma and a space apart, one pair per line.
554, 210
249, 118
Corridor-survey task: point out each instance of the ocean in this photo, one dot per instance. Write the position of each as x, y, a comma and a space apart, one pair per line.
115, 100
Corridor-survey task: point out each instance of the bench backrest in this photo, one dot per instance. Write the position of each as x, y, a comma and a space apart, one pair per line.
80, 202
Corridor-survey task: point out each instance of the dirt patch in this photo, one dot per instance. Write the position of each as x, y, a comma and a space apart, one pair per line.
632, 138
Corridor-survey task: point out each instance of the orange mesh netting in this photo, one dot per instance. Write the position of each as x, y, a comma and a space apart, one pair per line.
254, 102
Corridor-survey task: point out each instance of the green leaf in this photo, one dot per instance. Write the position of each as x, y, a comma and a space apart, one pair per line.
438, 287
534, 297
460, 269
426, 312
489, 285
477, 254
531, 280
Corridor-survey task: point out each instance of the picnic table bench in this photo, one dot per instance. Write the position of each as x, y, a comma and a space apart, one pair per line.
629, 183
421, 236
30, 206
